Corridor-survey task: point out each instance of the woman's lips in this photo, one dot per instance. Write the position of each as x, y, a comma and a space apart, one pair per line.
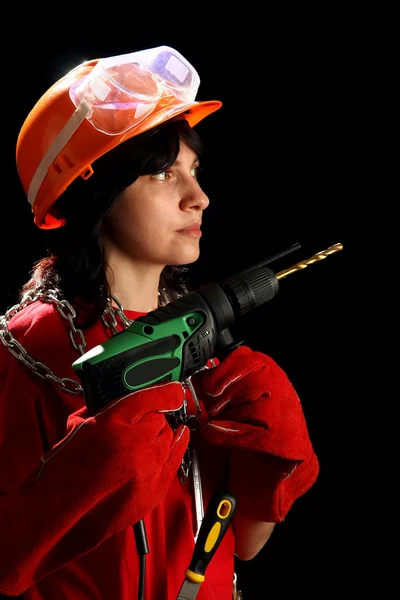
193, 231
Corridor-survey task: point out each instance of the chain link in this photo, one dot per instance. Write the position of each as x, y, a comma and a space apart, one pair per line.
67, 312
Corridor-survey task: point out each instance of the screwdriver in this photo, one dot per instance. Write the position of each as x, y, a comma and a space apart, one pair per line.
216, 521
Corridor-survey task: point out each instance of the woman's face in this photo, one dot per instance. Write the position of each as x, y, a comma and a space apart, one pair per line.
157, 219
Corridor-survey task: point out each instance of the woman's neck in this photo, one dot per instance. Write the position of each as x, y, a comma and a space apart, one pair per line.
135, 286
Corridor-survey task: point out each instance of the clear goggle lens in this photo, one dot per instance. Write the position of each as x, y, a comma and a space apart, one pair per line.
123, 90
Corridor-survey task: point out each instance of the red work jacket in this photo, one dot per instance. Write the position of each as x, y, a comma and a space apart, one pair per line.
39, 557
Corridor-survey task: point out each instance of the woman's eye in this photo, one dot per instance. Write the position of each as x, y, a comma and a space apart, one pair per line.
162, 176
197, 171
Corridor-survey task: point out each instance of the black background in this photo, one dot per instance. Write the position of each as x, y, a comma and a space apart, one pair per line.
284, 168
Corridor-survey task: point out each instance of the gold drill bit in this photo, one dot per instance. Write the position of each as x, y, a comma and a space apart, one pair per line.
309, 261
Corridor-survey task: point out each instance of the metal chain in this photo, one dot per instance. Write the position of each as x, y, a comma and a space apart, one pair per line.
67, 312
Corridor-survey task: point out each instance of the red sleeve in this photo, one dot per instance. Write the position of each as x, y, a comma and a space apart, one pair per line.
58, 504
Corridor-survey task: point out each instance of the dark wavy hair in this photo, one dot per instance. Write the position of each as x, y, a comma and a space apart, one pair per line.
75, 267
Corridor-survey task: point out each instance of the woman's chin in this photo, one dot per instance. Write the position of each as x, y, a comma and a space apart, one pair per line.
186, 258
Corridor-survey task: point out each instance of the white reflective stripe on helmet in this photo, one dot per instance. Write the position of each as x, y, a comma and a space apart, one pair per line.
54, 150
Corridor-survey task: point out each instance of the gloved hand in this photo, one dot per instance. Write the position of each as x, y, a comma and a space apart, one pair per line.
254, 410
106, 474
132, 442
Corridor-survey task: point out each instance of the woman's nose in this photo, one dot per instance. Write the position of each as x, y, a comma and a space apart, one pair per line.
195, 197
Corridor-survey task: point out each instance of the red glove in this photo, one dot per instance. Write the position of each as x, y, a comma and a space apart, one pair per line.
130, 441
106, 474
254, 409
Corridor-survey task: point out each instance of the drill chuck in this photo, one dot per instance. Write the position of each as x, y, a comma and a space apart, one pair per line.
250, 289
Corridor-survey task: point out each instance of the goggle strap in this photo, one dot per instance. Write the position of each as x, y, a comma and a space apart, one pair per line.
60, 141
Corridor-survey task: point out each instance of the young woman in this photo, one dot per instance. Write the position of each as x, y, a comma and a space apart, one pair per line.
109, 159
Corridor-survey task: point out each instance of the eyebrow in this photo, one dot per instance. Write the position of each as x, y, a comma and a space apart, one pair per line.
196, 160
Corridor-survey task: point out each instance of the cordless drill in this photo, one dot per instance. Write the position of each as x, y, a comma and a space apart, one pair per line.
175, 341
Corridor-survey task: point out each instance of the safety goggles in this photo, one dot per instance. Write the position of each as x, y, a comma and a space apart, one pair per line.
121, 91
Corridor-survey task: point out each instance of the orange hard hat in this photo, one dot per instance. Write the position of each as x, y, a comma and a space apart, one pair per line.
93, 108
